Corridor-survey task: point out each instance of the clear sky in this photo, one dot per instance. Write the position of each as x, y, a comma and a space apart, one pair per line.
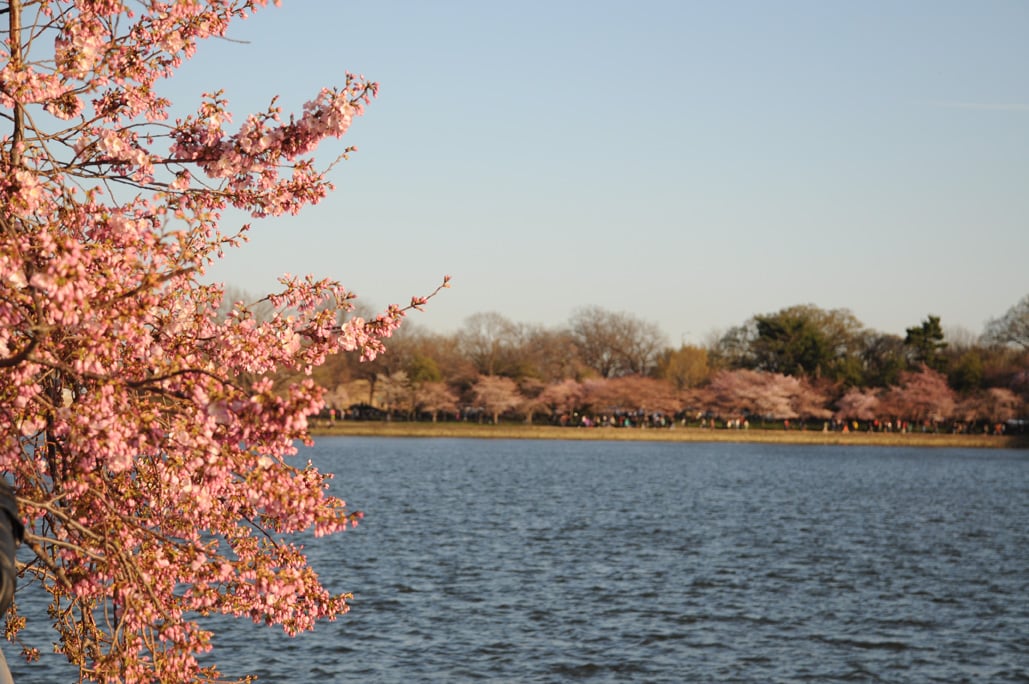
691, 163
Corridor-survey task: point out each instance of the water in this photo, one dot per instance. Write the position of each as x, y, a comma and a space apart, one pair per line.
527, 561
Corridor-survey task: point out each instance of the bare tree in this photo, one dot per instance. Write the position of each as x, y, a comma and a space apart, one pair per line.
489, 341
616, 344
550, 355
1011, 328
959, 338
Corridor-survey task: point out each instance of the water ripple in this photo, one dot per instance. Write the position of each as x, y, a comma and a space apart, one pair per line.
616, 562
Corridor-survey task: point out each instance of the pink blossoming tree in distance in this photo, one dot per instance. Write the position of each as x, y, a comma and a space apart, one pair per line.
495, 395
147, 448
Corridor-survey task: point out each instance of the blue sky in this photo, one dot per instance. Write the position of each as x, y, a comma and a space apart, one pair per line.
692, 163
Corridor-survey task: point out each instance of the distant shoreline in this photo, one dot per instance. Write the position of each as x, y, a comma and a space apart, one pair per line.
676, 434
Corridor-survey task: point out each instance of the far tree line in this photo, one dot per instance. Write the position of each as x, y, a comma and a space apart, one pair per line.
801, 363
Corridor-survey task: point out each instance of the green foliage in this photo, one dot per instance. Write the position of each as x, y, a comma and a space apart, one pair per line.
848, 370
684, 367
790, 342
423, 369
803, 340
966, 373
926, 344
733, 348
883, 359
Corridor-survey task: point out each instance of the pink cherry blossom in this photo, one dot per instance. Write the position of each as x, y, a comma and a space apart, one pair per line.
149, 441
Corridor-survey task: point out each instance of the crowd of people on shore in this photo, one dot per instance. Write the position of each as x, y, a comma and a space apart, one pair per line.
700, 420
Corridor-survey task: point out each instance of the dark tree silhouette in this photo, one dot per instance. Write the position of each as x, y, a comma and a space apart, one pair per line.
926, 344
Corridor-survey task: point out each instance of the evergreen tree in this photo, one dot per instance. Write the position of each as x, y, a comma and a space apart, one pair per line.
925, 344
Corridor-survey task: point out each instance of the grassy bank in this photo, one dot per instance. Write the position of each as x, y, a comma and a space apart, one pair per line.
678, 434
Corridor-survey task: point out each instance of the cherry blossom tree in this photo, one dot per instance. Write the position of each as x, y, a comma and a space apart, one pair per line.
724, 394
563, 397
810, 399
496, 394
764, 394
434, 398
1002, 404
768, 395
530, 389
338, 398
921, 396
631, 394
996, 404
147, 447
858, 404
774, 396
396, 393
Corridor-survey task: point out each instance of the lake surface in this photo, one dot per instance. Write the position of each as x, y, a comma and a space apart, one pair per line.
526, 561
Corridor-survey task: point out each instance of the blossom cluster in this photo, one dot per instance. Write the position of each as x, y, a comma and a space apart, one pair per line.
149, 446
